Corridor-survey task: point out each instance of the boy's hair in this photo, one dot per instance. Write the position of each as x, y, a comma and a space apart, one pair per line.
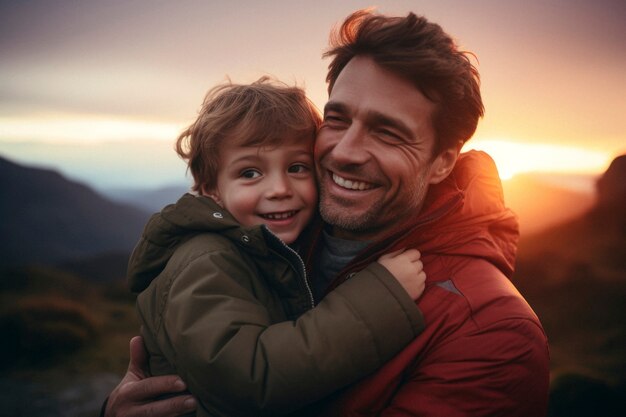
422, 53
264, 113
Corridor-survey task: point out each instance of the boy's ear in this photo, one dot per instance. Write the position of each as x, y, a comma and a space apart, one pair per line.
444, 163
213, 193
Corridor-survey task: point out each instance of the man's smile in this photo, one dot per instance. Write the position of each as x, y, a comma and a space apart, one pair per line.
351, 184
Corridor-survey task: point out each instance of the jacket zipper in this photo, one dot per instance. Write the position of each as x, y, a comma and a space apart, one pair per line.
304, 274
307, 285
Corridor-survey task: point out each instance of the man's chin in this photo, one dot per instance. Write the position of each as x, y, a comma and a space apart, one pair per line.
350, 221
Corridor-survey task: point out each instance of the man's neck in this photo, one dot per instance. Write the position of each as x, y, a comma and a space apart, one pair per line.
357, 236
335, 253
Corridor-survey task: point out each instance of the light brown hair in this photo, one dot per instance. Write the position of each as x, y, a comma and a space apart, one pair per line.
422, 53
264, 113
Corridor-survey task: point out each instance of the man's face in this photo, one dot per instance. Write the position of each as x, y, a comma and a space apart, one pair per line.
374, 151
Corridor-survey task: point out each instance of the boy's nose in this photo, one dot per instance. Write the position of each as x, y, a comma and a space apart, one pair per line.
280, 187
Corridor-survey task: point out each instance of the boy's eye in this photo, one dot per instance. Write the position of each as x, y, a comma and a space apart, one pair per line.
298, 168
250, 174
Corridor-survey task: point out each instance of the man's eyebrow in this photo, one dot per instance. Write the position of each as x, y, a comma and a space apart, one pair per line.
335, 106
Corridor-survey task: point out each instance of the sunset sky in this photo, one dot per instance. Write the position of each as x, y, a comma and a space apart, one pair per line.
100, 89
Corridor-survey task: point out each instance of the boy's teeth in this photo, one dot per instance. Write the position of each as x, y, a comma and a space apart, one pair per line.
351, 185
279, 216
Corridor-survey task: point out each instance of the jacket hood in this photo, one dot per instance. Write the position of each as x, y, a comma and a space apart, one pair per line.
166, 230
464, 215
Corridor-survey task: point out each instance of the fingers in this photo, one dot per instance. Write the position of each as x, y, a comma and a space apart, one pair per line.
411, 254
138, 364
174, 406
136, 394
150, 388
139, 398
391, 254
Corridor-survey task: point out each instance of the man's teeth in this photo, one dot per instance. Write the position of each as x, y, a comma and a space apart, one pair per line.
279, 216
351, 185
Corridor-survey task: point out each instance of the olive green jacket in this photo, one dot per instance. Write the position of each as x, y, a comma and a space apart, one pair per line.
229, 309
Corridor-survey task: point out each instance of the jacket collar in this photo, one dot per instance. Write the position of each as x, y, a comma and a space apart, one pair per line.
464, 215
175, 224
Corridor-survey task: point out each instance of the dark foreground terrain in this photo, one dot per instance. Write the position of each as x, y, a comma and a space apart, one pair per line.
65, 326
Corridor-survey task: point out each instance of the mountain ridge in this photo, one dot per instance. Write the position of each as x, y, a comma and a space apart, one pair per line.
48, 218
573, 274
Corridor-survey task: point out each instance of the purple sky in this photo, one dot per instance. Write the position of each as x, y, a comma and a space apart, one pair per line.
553, 72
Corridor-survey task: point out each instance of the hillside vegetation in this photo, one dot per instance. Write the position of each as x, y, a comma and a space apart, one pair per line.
574, 277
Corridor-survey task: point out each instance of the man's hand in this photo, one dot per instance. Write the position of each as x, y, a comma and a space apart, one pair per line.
136, 394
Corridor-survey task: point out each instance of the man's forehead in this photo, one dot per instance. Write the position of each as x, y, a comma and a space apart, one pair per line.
365, 84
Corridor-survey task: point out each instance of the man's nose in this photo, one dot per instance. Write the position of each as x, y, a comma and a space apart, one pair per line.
351, 146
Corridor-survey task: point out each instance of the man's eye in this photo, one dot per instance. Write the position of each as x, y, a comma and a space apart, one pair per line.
298, 169
389, 135
250, 174
334, 120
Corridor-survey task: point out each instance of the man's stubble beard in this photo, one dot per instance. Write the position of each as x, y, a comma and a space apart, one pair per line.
338, 213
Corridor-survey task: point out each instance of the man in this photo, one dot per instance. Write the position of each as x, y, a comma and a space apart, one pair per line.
402, 102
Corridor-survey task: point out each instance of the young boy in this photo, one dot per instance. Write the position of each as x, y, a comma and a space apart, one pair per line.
225, 301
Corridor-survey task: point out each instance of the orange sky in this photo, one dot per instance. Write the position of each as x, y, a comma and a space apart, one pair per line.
83, 85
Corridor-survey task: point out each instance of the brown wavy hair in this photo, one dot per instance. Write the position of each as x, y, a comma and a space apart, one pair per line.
422, 53
264, 113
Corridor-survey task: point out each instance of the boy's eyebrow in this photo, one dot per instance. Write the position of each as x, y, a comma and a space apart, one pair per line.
255, 157
246, 158
303, 152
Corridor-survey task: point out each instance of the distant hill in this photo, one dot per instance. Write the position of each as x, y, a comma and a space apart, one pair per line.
47, 218
574, 275
149, 200
597, 236
541, 204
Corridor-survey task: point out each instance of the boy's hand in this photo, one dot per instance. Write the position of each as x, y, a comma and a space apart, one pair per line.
406, 267
136, 394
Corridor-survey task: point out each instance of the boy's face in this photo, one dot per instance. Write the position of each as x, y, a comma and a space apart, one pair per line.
274, 185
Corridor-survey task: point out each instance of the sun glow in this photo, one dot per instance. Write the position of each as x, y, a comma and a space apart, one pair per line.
511, 157
83, 129
514, 157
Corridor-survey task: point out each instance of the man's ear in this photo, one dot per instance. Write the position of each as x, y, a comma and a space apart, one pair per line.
444, 163
213, 193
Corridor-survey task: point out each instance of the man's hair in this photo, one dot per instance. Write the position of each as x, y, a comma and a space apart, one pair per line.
264, 113
422, 53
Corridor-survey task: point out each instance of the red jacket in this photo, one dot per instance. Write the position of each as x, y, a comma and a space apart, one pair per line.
483, 352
